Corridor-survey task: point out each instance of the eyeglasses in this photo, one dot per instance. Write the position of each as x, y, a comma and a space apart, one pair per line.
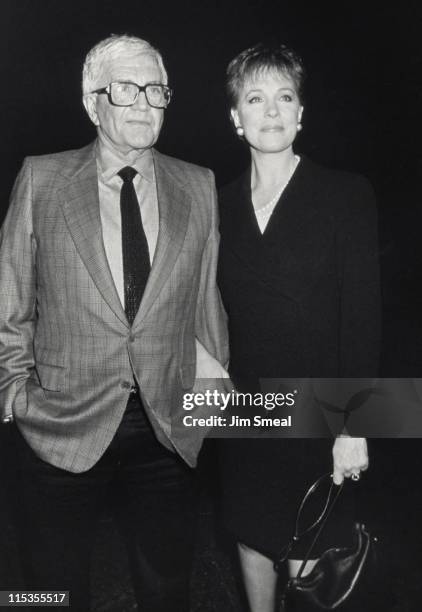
330, 493
125, 93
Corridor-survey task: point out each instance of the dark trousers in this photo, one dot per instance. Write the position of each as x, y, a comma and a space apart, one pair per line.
153, 498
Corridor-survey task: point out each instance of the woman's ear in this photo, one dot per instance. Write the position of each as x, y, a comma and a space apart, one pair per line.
299, 115
235, 117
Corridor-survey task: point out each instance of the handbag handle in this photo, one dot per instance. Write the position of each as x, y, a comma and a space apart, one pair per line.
321, 521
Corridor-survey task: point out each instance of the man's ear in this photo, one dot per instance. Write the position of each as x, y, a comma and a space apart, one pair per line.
90, 103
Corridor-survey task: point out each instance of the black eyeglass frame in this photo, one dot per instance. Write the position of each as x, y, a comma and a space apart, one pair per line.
141, 88
333, 493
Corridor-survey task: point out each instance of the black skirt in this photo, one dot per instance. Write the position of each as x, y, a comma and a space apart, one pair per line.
263, 483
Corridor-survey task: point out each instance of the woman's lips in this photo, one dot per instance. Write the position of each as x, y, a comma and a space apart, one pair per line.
272, 128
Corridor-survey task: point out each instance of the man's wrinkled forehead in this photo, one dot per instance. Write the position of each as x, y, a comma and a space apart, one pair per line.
118, 65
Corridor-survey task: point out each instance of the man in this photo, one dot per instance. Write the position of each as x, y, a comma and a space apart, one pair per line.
107, 276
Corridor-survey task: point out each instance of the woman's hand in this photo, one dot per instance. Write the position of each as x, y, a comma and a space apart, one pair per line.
350, 457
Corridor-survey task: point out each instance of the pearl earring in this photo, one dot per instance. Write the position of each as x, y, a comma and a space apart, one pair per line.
299, 127
239, 130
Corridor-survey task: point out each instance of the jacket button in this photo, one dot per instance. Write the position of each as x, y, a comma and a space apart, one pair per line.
125, 384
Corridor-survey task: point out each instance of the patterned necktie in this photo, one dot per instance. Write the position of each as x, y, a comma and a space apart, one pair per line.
136, 264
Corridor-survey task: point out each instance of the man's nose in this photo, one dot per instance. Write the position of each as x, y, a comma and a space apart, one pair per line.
141, 102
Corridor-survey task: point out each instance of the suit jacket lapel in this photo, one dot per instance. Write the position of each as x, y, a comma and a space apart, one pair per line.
288, 230
276, 256
81, 209
174, 205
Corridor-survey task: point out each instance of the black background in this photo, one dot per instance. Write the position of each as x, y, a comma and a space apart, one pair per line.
362, 111
364, 64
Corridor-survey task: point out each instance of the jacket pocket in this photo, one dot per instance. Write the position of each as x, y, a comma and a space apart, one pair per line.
51, 377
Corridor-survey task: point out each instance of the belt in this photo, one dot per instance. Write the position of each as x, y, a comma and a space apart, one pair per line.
134, 399
134, 394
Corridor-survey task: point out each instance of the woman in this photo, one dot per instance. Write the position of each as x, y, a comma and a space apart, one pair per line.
298, 275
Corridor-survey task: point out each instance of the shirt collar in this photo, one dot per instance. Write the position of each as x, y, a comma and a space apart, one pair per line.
110, 161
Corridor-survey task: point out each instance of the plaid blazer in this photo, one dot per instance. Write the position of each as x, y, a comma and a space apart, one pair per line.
67, 352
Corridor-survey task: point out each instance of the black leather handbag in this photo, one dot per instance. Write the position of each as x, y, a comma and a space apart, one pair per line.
338, 571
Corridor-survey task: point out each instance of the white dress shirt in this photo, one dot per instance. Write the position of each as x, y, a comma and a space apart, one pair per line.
109, 163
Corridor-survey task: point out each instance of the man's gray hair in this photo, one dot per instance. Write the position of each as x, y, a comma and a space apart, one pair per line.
112, 46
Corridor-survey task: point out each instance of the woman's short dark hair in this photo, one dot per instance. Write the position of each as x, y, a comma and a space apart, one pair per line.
259, 59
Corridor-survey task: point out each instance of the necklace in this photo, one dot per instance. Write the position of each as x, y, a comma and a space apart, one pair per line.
264, 209
268, 207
